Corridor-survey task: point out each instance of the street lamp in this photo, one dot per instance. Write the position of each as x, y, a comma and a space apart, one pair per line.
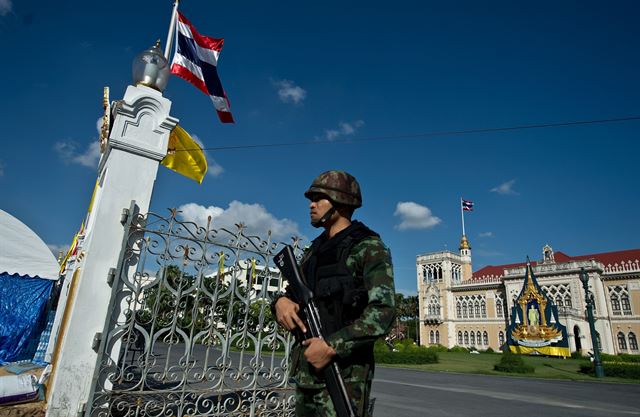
584, 277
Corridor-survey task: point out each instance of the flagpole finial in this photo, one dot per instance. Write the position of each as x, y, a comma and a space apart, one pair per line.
464, 243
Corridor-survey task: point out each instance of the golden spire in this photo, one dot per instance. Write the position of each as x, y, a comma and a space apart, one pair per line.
464, 243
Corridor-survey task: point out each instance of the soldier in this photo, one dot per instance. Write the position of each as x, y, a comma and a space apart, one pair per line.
349, 269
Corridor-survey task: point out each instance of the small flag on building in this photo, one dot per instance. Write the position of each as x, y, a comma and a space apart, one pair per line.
467, 205
196, 60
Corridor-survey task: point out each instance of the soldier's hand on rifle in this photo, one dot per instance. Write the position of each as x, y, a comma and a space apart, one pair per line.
318, 352
287, 314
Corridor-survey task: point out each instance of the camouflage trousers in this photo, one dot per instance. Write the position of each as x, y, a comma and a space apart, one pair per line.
312, 402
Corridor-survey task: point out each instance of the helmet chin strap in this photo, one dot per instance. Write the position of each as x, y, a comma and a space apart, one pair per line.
322, 220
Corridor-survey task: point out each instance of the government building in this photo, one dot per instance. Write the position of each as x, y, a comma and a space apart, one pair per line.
459, 307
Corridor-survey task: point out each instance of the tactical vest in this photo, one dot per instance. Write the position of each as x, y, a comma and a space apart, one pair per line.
339, 292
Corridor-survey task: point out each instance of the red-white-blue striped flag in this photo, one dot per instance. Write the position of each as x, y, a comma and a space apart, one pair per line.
196, 60
467, 205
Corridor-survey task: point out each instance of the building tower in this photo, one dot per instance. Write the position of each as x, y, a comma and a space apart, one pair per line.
465, 257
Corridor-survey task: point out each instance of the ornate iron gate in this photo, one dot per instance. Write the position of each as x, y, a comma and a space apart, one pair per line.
191, 332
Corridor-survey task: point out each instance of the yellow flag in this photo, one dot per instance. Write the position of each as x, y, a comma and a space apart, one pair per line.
73, 249
93, 196
185, 156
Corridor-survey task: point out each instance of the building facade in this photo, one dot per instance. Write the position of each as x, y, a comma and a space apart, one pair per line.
459, 307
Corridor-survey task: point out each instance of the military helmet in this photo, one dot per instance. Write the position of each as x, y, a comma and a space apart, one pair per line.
341, 188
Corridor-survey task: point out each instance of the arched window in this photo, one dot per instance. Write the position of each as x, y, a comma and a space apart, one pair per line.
499, 307
483, 308
431, 338
633, 342
485, 339
559, 301
478, 338
460, 338
477, 309
458, 310
622, 341
501, 339
464, 310
567, 300
438, 336
466, 338
473, 339
615, 305
626, 306
455, 273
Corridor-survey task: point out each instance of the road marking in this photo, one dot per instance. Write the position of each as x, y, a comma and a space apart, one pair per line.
507, 396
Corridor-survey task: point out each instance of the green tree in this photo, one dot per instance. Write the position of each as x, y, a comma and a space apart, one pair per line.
406, 317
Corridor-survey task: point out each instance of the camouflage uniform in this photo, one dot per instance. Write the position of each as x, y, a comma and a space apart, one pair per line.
367, 270
369, 259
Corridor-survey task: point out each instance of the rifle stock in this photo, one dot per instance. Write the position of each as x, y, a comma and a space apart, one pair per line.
286, 262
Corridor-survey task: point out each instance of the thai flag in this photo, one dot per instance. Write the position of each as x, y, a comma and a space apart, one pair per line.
467, 205
196, 60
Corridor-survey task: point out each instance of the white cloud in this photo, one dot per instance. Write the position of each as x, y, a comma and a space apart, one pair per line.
289, 92
415, 216
5, 7
485, 234
254, 216
343, 129
487, 253
70, 153
56, 249
505, 188
214, 169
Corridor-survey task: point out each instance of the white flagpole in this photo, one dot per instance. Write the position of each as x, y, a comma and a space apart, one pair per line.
172, 28
462, 214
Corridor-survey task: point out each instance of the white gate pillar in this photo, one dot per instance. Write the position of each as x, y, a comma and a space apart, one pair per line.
128, 168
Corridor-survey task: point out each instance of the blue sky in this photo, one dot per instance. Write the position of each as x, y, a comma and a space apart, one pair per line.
332, 72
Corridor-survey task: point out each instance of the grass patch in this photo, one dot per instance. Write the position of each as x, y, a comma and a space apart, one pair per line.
511, 363
546, 368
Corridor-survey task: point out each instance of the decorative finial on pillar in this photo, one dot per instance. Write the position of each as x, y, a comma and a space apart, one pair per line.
151, 68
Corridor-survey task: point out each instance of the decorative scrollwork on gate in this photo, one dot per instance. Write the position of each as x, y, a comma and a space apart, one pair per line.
191, 332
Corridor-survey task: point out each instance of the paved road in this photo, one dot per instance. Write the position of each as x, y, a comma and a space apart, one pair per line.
406, 393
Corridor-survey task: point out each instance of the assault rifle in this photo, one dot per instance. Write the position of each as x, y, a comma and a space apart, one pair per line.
286, 262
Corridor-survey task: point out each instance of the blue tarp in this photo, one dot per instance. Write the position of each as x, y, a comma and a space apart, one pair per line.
22, 303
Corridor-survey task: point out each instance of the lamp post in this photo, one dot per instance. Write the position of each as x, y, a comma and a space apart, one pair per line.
597, 363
